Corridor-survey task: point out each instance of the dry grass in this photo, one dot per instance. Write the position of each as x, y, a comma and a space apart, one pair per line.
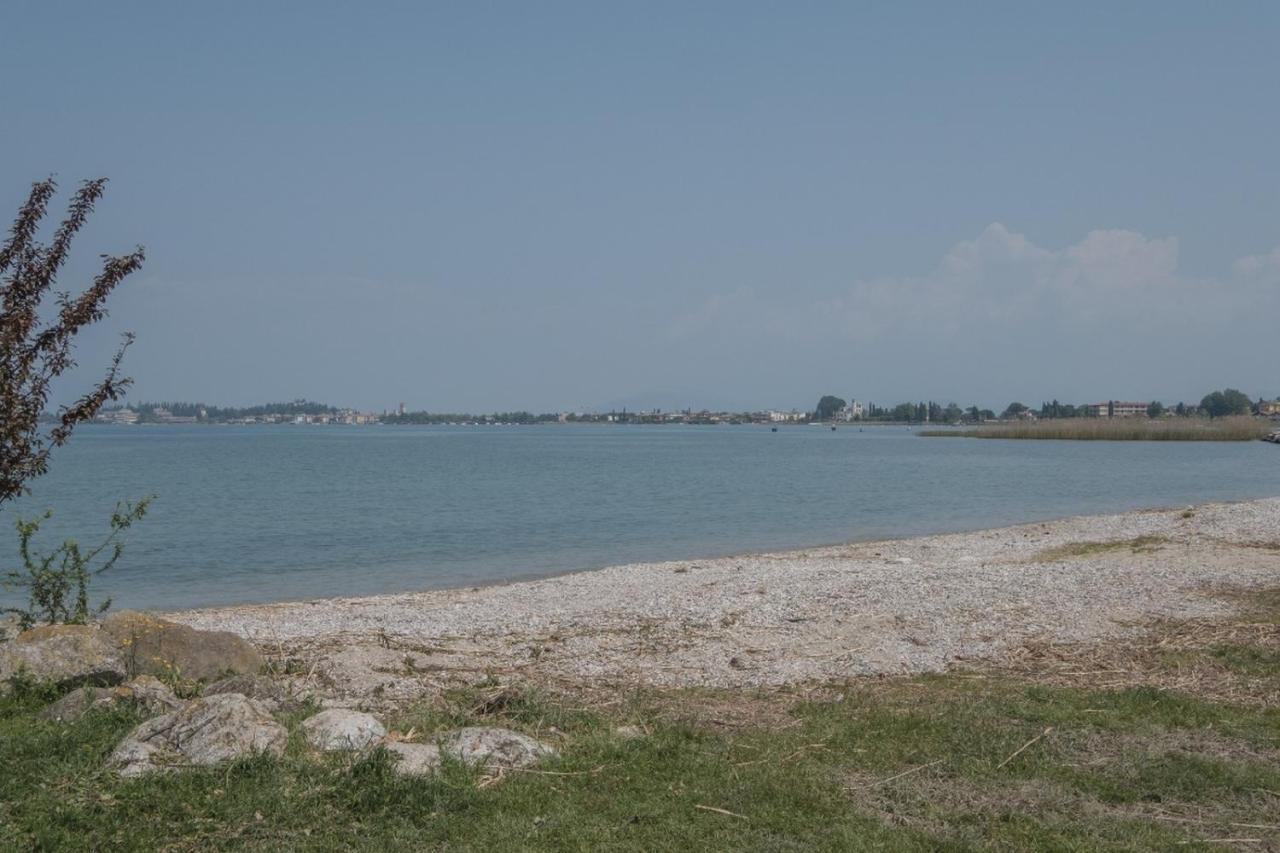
1241, 428
1137, 545
1224, 660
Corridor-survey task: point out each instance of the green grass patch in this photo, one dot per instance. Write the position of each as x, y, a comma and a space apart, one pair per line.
913, 764
1137, 545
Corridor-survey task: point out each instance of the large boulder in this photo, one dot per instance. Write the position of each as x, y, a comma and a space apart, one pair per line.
271, 693
65, 655
340, 729
144, 694
154, 646
205, 732
492, 748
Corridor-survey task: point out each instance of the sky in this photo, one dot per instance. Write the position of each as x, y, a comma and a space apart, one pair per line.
499, 206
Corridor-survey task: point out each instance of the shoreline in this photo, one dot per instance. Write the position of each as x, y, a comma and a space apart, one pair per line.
888, 606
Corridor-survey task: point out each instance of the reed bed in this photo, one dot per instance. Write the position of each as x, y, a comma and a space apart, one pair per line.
1241, 428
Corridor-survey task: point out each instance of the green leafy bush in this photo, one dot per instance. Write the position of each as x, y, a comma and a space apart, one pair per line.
57, 583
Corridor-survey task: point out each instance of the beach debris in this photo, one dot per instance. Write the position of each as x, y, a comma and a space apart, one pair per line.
493, 748
272, 694
145, 694
414, 759
153, 646
340, 729
63, 655
204, 732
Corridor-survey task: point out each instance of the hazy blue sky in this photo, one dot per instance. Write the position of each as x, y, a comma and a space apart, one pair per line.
487, 206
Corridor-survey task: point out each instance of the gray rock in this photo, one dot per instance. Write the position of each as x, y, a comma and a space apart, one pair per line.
79, 702
205, 732
493, 748
270, 693
145, 694
629, 732
150, 696
414, 759
340, 729
154, 646
65, 655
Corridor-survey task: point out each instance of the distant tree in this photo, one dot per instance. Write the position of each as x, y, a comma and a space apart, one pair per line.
828, 406
1013, 410
1180, 410
34, 351
903, 412
1155, 409
1227, 402
953, 414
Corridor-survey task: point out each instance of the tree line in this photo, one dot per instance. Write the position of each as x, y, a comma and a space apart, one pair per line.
1216, 404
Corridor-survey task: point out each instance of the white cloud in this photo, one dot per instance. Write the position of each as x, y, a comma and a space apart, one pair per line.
997, 283
1108, 316
1260, 266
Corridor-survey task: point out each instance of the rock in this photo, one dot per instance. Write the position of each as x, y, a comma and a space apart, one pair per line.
144, 693
65, 655
493, 748
629, 732
79, 702
340, 729
414, 759
150, 696
270, 693
154, 646
206, 731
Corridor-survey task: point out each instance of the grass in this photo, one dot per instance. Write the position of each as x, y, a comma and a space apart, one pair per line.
1032, 757
1241, 428
1137, 545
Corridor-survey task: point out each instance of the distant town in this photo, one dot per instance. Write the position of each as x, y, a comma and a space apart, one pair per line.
829, 410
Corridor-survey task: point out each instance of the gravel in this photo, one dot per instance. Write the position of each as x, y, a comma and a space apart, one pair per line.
869, 608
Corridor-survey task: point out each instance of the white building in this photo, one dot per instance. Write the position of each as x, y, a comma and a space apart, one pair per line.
853, 411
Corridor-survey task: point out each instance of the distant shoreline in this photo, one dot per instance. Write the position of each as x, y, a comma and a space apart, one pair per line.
1238, 428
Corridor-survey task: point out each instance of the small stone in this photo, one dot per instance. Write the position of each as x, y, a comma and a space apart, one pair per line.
414, 759
63, 655
493, 748
340, 729
629, 732
204, 732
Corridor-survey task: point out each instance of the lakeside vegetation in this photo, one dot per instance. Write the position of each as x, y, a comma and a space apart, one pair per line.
1235, 428
1164, 742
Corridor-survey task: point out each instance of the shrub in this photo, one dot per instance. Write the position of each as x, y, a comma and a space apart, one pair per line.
57, 583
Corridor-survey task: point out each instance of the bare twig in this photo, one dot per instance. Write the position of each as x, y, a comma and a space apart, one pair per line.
903, 773
1019, 750
720, 811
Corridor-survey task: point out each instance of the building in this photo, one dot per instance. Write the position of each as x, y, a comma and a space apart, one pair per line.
117, 416
1117, 409
1269, 408
854, 411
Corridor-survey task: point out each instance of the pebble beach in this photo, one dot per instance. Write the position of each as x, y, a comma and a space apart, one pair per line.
900, 606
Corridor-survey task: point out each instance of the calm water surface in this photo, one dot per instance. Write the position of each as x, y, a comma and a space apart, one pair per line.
268, 513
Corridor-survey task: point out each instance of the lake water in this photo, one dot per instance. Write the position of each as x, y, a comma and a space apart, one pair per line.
246, 514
